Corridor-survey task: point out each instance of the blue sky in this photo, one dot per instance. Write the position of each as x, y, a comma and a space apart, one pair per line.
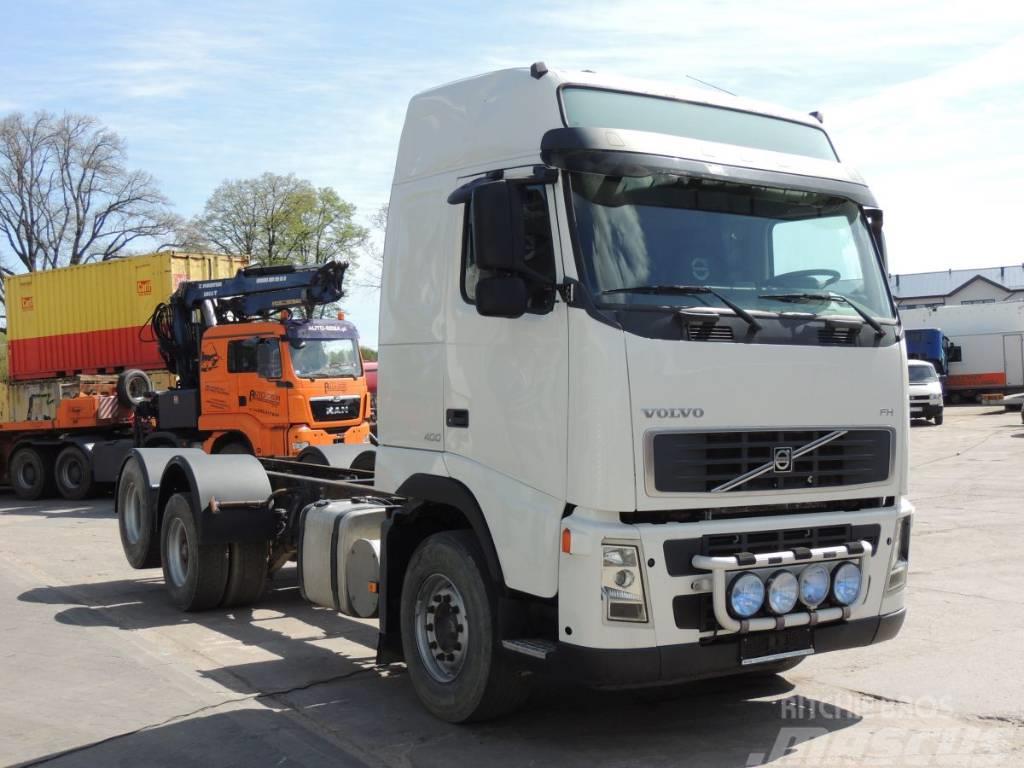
926, 98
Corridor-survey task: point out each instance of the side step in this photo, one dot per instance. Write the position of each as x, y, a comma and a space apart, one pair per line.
534, 648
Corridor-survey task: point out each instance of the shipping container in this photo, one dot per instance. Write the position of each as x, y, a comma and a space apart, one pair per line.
92, 318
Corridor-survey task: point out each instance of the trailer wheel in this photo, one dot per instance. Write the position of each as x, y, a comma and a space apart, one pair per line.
132, 386
195, 574
447, 626
73, 474
247, 573
31, 478
136, 518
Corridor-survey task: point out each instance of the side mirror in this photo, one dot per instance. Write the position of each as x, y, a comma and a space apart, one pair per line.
501, 297
268, 359
954, 354
498, 231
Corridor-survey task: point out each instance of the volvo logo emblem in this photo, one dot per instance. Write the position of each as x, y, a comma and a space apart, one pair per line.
782, 459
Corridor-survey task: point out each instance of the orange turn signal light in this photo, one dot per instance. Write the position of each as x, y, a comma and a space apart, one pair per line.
372, 587
567, 541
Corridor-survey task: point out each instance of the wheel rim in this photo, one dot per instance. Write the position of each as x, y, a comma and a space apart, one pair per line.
442, 629
71, 473
136, 388
176, 552
28, 474
132, 513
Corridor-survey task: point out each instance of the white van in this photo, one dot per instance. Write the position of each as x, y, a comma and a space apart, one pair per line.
925, 391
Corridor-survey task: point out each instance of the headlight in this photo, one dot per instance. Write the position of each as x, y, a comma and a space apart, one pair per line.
746, 595
846, 581
813, 585
622, 585
783, 591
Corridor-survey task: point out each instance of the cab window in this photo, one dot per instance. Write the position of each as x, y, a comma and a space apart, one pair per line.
241, 356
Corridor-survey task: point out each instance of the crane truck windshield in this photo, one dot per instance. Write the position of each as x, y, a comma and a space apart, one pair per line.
729, 244
325, 358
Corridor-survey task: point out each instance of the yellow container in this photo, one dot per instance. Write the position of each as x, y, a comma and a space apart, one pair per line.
90, 318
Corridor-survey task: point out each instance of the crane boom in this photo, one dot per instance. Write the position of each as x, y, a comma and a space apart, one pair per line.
253, 293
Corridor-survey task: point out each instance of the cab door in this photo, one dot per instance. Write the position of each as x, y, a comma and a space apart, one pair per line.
506, 388
250, 386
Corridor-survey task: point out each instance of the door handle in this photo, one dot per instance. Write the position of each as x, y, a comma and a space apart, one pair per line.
457, 417
241, 400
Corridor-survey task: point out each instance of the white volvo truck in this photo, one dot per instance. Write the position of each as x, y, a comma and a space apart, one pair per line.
644, 417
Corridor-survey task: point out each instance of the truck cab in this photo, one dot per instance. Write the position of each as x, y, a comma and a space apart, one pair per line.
649, 351
276, 388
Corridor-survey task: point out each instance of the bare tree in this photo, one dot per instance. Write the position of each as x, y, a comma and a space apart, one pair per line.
370, 277
66, 195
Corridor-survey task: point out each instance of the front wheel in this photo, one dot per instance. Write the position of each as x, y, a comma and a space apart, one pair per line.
447, 625
938, 418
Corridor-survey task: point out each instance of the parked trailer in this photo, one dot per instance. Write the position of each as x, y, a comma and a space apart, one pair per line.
990, 342
645, 414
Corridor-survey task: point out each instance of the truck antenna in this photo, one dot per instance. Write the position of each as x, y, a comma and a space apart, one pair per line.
710, 85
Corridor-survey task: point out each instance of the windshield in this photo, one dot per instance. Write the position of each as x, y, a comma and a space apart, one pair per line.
750, 244
921, 374
325, 358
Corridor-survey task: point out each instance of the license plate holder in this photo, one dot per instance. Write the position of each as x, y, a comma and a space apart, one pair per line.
764, 647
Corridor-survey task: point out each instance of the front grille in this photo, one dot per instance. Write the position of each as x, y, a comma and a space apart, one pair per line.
699, 462
335, 408
838, 336
919, 398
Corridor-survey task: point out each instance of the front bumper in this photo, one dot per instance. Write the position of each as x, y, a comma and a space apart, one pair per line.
642, 667
924, 410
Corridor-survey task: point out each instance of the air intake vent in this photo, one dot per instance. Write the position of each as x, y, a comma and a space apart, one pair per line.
838, 337
709, 332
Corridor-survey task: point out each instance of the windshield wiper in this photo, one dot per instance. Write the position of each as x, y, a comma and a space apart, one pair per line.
691, 290
830, 296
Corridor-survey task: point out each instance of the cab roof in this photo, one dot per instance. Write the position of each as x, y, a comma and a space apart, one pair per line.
498, 119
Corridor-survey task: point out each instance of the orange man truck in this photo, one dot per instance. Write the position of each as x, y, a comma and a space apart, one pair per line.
250, 378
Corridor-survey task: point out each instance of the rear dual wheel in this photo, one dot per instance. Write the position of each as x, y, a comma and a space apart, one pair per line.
31, 474
203, 576
73, 474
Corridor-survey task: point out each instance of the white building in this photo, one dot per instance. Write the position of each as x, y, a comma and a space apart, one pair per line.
959, 286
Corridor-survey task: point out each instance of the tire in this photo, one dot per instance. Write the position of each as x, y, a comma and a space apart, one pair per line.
247, 573
30, 474
938, 419
233, 447
447, 570
73, 474
195, 574
132, 387
136, 518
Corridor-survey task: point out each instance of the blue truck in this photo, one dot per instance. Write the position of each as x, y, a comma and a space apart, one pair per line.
931, 345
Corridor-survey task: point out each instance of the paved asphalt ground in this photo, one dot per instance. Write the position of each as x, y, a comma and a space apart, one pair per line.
97, 670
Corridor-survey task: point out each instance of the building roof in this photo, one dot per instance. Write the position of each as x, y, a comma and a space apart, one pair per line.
948, 281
